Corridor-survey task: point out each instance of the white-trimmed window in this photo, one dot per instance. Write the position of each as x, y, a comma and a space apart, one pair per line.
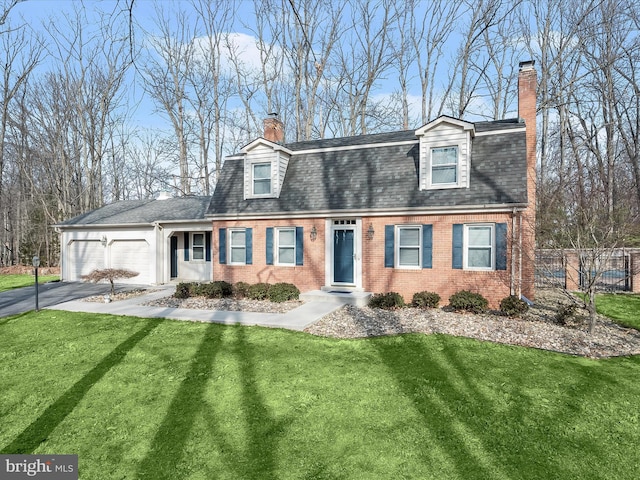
479, 253
237, 246
408, 246
444, 165
285, 246
197, 246
261, 178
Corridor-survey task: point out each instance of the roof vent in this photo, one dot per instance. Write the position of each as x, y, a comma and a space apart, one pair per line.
163, 196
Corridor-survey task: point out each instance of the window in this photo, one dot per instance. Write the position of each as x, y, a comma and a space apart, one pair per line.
408, 246
444, 165
480, 251
286, 246
261, 178
238, 246
197, 248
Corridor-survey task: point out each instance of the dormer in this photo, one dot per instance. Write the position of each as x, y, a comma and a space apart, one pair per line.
445, 153
265, 165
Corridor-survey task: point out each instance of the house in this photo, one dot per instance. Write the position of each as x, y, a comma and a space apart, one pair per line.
162, 239
447, 207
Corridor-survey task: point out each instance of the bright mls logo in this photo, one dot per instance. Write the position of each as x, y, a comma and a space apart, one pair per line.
50, 467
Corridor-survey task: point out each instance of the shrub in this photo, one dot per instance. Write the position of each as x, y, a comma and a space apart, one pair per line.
183, 290
512, 306
241, 289
217, 289
258, 291
425, 300
387, 301
565, 313
281, 292
467, 301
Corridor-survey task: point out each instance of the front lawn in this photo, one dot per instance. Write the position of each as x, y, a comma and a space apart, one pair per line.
140, 398
9, 282
623, 308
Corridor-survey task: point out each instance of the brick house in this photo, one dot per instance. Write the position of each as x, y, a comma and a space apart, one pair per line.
447, 207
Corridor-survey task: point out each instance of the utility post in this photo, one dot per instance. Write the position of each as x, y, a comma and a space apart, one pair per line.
36, 264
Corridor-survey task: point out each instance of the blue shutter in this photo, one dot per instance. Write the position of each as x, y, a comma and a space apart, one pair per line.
501, 246
299, 245
249, 245
269, 245
389, 232
222, 245
427, 246
457, 245
207, 246
186, 246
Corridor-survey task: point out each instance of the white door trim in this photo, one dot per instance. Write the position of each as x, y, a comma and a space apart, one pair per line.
332, 224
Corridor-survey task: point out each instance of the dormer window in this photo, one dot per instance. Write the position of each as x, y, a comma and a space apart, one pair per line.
265, 166
444, 166
445, 153
262, 178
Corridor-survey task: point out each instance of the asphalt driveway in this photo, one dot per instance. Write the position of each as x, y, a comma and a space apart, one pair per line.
20, 300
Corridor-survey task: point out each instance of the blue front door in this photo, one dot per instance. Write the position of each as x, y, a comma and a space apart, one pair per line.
343, 262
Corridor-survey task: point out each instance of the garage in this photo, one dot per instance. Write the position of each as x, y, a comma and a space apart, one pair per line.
84, 257
133, 255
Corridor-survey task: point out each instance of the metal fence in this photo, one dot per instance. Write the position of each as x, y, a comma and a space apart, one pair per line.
550, 268
613, 273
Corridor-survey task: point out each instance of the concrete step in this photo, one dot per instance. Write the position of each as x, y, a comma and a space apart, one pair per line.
359, 299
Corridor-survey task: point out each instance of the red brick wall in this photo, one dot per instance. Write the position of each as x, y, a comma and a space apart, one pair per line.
441, 278
309, 276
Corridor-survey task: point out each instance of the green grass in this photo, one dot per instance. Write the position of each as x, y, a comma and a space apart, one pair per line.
9, 282
624, 309
140, 398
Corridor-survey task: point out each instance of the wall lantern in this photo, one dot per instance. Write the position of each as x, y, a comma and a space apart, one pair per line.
370, 232
314, 234
103, 240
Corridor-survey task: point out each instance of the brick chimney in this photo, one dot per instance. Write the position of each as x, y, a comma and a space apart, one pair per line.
527, 84
273, 129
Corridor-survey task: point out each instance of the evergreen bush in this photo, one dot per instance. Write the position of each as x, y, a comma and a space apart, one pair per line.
512, 306
281, 292
425, 300
387, 301
258, 291
467, 301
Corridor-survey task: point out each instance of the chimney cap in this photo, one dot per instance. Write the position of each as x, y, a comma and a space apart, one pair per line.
527, 65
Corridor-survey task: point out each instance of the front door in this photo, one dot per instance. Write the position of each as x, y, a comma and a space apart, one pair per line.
343, 255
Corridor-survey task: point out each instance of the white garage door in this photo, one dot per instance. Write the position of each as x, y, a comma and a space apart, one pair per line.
133, 255
84, 256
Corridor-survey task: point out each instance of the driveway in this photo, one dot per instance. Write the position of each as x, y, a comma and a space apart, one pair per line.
20, 300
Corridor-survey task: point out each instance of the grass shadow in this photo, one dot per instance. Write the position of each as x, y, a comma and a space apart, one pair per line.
168, 445
41, 428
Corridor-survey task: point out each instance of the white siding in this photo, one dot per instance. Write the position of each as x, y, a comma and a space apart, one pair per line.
445, 135
261, 154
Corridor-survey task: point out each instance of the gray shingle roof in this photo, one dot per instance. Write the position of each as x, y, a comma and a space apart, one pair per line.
144, 211
380, 178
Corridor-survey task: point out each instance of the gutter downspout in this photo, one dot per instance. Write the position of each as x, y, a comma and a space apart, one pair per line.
520, 255
512, 288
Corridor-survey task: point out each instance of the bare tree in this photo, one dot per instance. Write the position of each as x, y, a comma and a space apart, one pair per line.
166, 77
20, 54
210, 86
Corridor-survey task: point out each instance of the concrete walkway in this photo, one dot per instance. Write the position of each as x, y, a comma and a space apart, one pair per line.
296, 319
